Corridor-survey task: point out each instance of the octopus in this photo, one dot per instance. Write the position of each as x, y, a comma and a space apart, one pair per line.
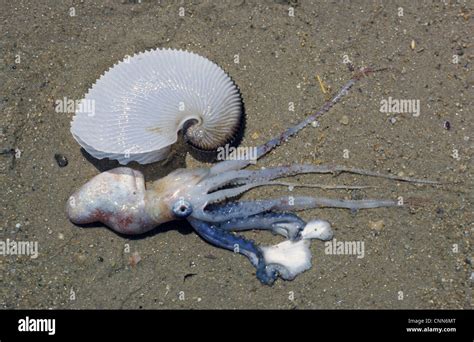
205, 197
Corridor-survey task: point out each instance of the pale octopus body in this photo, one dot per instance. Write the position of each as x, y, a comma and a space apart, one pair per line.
118, 198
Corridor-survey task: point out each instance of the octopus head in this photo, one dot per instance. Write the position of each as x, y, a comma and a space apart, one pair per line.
118, 199
115, 198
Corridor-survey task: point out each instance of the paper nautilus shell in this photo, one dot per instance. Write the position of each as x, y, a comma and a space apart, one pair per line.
135, 110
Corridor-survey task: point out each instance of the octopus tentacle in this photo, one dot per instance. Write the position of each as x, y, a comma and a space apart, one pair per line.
233, 192
291, 170
286, 259
239, 244
306, 202
247, 176
214, 182
256, 178
242, 209
288, 225
228, 211
323, 186
263, 149
221, 238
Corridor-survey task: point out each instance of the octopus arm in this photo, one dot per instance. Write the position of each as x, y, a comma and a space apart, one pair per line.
245, 209
291, 131
288, 225
286, 259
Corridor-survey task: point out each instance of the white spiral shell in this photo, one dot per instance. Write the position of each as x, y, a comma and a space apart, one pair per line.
135, 110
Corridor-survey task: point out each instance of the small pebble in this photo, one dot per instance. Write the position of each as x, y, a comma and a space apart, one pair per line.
344, 120
413, 44
17, 153
447, 125
134, 259
255, 135
60, 160
376, 225
401, 174
80, 258
315, 124
100, 259
392, 120
61, 236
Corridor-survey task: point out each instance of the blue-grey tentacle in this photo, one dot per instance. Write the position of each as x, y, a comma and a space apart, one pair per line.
288, 225
271, 144
224, 239
244, 209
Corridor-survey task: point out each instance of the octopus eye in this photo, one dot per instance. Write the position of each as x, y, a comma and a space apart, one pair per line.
182, 209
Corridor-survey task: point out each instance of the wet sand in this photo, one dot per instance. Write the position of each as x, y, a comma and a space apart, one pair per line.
418, 257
